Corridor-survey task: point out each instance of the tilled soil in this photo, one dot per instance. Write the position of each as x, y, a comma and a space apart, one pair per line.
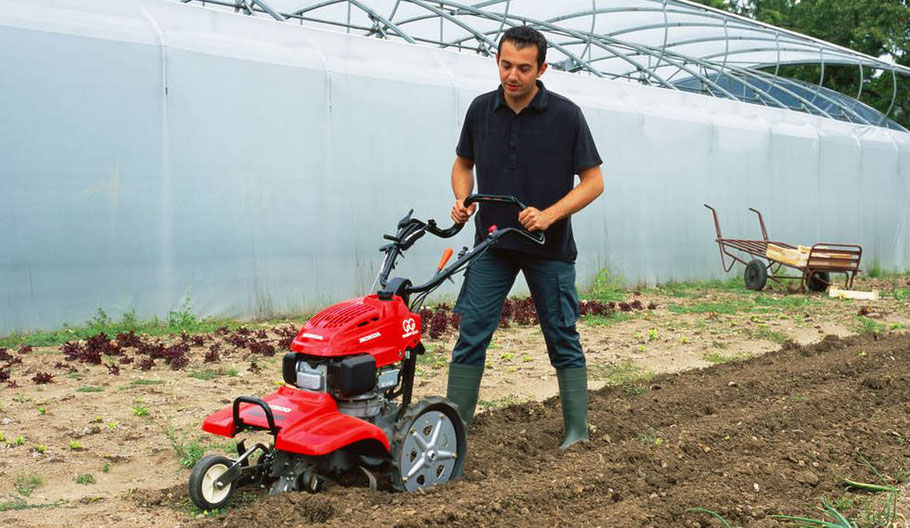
770, 435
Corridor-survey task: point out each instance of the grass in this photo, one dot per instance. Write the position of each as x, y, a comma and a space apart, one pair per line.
19, 504
714, 514
607, 287
619, 373
763, 332
715, 357
697, 288
90, 389
145, 382
870, 326
728, 307
607, 320
26, 484
500, 403
189, 452
204, 374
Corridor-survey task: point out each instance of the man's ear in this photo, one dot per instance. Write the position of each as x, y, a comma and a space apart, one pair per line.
543, 68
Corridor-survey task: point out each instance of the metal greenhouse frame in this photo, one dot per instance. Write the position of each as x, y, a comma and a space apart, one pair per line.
665, 43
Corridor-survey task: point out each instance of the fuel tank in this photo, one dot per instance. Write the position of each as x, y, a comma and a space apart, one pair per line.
370, 325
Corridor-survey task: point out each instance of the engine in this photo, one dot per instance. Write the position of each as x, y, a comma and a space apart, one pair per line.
354, 382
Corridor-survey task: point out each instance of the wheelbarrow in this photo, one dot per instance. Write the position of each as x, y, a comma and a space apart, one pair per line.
815, 263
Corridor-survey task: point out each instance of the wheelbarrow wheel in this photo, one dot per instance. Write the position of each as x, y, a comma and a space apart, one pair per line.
756, 275
818, 281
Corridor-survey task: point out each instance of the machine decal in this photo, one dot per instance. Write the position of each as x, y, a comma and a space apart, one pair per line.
366, 338
409, 326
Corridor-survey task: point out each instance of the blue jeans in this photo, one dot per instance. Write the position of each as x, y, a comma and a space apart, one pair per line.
487, 283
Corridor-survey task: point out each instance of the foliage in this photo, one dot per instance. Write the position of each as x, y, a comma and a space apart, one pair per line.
873, 27
25, 484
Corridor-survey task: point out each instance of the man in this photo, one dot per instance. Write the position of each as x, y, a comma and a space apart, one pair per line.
527, 142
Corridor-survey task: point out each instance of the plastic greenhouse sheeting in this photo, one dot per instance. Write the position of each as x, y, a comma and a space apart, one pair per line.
153, 152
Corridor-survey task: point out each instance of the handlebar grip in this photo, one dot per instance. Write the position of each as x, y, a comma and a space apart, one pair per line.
493, 198
446, 255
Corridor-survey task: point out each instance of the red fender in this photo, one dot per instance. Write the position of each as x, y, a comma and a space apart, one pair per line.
309, 423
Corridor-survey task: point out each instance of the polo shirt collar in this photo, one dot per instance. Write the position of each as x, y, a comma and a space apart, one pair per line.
538, 103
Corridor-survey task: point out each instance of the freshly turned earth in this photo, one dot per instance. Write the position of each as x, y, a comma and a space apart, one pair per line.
747, 404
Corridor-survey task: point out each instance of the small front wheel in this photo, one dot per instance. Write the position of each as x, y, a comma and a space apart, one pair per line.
756, 275
204, 489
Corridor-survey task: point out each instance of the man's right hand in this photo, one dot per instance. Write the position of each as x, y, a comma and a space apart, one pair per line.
460, 213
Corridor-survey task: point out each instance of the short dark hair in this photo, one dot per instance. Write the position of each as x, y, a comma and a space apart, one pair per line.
523, 36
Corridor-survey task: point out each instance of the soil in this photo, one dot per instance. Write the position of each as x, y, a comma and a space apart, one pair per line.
752, 411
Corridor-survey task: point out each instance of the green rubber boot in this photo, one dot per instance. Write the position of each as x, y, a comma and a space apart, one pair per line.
464, 384
573, 396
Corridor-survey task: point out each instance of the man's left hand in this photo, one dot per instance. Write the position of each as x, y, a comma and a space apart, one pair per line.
534, 219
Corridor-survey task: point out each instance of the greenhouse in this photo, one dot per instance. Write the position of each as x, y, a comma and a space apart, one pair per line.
244, 158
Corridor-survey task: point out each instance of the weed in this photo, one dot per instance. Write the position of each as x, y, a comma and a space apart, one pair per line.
189, 452
869, 326
76, 445
85, 478
42, 410
763, 332
652, 334
112, 425
608, 287
231, 372
506, 356
635, 390
526, 358
649, 437
25, 484
619, 373
204, 374
875, 271
145, 382
90, 388
139, 410
716, 515
106, 468
20, 440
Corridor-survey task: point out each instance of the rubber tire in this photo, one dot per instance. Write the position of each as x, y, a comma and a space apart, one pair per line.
432, 403
197, 481
818, 281
756, 275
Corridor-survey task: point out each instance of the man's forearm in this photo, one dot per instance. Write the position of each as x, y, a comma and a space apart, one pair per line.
462, 178
589, 188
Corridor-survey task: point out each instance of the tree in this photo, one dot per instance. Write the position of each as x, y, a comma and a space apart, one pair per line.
874, 27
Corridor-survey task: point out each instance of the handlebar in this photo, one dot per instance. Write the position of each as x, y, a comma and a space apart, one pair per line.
537, 238
411, 229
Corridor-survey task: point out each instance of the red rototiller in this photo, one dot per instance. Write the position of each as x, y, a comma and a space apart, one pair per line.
346, 402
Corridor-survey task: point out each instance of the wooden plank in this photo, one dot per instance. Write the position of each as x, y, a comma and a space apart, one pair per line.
853, 294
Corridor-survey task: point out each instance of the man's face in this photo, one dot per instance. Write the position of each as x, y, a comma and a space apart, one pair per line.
518, 69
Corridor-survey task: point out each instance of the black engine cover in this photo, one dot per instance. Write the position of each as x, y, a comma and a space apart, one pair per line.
353, 375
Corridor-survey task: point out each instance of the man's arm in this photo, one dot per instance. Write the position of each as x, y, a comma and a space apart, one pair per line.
462, 185
589, 188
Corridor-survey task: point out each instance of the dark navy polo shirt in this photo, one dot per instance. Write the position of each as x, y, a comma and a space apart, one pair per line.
534, 156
